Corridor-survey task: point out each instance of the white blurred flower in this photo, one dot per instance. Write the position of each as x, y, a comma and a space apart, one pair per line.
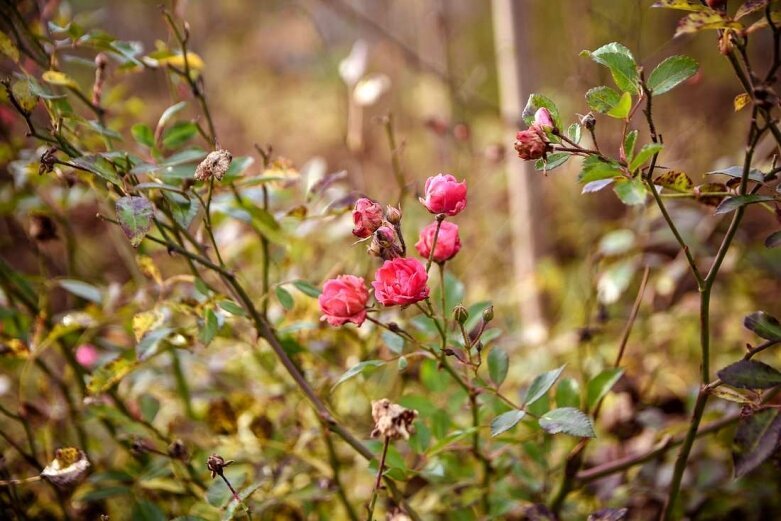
369, 89
354, 66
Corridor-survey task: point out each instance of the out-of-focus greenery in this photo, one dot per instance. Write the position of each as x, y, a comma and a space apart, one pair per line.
179, 371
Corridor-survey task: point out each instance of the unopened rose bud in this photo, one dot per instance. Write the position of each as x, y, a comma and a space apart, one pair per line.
367, 217
393, 215
543, 119
460, 314
488, 314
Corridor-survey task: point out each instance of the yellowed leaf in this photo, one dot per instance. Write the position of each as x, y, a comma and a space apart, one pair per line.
105, 377
177, 60
146, 321
24, 95
149, 268
8, 47
741, 100
59, 78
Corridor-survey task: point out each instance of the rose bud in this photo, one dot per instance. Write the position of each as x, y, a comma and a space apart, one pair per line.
344, 300
367, 217
448, 241
444, 195
87, 356
460, 314
543, 120
400, 281
393, 215
530, 144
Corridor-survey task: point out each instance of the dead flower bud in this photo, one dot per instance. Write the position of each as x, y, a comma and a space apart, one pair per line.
216, 464
48, 160
141, 446
391, 420
68, 467
178, 450
214, 165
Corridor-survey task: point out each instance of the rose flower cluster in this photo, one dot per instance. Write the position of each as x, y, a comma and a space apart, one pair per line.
401, 280
533, 143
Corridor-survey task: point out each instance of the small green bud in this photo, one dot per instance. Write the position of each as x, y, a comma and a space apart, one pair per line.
488, 314
460, 314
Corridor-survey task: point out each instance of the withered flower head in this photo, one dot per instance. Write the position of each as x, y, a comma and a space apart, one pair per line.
216, 464
48, 160
178, 450
214, 165
391, 420
68, 467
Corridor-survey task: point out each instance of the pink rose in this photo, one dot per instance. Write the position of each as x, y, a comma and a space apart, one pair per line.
543, 119
87, 355
367, 217
344, 300
531, 144
444, 194
448, 241
400, 281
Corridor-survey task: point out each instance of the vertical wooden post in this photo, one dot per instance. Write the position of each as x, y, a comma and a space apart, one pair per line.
523, 182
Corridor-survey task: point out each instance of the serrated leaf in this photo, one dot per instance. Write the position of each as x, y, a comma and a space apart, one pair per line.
537, 101
740, 101
644, 155
232, 308
595, 169
729, 394
750, 374
284, 297
756, 439
705, 20
552, 161
8, 47
541, 385
82, 289
98, 165
135, 214
357, 369
670, 73
600, 385
567, 420
506, 421
23, 92
59, 78
675, 180
630, 191
764, 325
498, 364
307, 288
602, 99
737, 172
733, 203
619, 60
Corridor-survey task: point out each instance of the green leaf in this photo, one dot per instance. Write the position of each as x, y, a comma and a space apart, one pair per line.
619, 60
756, 439
622, 108
737, 172
538, 101
8, 47
553, 161
595, 169
143, 135
232, 308
764, 325
675, 180
541, 385
568, 420
59, 78
670, 73
602, 99
307, 288
574, 132
284, 297
644, 155
629, 145
184, 210
107, 376
750, 374
135, 215
151, 341
596, 186
568, 393
630, 191
209, 329
506, 421
147, 511
733, 203
98, 165
169, 113
498, 364
600, 385
179, 133
393, 341
82, 290
357, 369
402, 364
